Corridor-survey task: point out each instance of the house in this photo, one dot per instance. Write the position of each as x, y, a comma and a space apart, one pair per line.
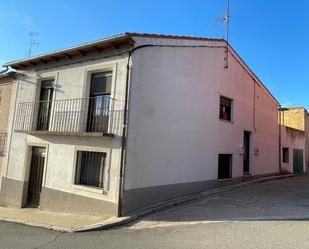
7, 81
122, 123
294, 123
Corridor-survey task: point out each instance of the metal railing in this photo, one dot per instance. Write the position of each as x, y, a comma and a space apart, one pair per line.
70, 116
3, 139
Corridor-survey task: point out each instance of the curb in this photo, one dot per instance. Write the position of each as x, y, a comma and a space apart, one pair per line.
115, 222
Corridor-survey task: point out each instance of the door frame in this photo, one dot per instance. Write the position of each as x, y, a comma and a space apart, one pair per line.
295, 152
26, 174
38, 177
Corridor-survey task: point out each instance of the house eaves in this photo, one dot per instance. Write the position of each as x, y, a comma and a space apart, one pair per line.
83, 49
126, 38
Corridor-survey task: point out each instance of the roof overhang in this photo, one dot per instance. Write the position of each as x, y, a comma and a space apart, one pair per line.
68, 53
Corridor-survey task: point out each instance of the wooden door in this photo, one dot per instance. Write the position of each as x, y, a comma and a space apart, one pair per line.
298, 161
36, 176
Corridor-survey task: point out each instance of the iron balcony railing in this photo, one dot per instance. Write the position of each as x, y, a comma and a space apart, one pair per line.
3, 139
99, 115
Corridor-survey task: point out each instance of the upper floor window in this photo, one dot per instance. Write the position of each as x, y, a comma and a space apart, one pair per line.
101, 84
99, 102
225, 108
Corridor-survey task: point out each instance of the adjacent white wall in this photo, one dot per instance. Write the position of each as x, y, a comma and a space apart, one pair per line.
175, 134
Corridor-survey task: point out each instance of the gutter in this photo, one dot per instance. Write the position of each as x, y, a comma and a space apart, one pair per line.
124, 140
5, 70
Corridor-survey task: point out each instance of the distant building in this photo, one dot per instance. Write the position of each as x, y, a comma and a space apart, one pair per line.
131, 120
295, 139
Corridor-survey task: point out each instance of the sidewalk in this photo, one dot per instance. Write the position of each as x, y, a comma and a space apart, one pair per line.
79, 223
52, 220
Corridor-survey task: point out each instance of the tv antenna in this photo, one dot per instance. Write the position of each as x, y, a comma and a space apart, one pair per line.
33, 41
225, 22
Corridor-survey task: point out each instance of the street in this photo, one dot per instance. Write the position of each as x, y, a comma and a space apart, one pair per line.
265, 215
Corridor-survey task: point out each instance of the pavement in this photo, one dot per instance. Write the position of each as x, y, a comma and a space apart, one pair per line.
80, 223
52, 220
272, 214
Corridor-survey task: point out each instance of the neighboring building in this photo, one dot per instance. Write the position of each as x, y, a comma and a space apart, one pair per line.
7, 81
196, 116
293, 150
295, 139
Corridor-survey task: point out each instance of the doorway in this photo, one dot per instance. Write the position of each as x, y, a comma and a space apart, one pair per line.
246, 155
99, 102
45, 105
298, 161
36, 176
224, 166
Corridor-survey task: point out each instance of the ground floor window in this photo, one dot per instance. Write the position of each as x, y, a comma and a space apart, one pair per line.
90, 168
224, 166
285, 155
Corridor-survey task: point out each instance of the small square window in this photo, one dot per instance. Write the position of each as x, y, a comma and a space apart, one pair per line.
225, 108
224, 166
285, 155
90, 169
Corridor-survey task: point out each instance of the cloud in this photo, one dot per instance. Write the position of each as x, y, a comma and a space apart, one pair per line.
20, 17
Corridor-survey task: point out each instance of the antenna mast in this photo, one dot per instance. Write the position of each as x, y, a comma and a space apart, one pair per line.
226, 19
33, 41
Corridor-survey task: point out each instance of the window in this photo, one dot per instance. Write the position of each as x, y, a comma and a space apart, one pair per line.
90, 168
99, 102
285, 155
225, 108
224, 166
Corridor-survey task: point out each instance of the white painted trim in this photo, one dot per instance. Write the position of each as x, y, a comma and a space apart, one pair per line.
77, 189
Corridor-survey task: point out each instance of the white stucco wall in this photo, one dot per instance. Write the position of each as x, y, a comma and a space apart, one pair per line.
175, 134
71, 81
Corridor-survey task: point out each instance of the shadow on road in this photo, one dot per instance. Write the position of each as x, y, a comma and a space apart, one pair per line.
285, 199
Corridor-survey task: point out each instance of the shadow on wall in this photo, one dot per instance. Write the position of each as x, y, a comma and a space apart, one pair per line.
100, 141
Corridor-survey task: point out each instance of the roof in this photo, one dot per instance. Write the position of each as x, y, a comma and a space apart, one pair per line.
115, 41
175, 37
297, 108
98, 45
82, 49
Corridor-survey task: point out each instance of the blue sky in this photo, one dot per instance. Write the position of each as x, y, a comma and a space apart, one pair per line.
271, 36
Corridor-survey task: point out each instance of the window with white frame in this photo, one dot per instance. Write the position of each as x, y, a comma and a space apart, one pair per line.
90, 169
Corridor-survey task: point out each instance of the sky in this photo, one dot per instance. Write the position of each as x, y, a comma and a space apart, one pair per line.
271, 36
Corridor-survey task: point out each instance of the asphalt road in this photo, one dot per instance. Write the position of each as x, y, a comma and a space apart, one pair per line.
266, 215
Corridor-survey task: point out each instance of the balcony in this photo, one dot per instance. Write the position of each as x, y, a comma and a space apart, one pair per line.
95, 116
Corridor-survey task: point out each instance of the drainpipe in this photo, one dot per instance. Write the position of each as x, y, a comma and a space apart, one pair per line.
124, 142
5, 70
280, 109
